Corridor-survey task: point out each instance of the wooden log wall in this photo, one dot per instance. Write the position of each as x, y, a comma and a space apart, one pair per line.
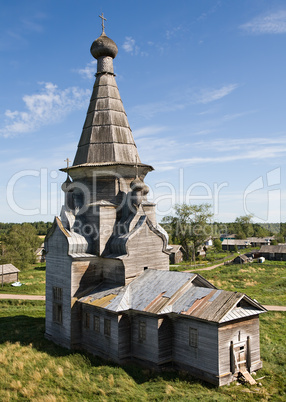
239, 331
58, 274
203, 357
145, 251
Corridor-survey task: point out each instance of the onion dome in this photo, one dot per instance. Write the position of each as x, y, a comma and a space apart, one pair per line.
66, 184
145, 189
103, 46
137, 185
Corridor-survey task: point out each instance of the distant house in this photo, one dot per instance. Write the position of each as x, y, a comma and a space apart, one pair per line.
260, 241
227, 236
40, 254
241, 259
209, 242
8, 273
277, 253
232, 244
177, 253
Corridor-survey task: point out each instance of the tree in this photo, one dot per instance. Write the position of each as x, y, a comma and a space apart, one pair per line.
217, 245
19, 245
190, 226
243, 227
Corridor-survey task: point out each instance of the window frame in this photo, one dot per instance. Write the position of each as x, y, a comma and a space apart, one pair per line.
57, 304
86, 320
96, 323
142, 331
107, 327
193, 337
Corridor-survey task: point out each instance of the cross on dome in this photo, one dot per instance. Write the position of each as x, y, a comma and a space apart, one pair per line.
68, 162
102, 21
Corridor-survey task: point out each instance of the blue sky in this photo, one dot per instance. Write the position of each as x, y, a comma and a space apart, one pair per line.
203, 84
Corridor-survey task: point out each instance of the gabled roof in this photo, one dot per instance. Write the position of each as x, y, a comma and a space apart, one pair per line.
260, 239
8, 269
170, 292
175, 248
273, 249
242, 257
235, 242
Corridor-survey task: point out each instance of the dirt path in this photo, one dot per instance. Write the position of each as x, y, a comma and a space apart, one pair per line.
275, 308
22, 297
204, 269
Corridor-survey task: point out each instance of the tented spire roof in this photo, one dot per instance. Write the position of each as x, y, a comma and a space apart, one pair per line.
106, 136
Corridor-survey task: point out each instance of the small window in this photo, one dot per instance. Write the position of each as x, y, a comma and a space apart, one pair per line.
145, 268
107, 327
142, 330
57, 293
57, 313
96, 323
193, 337
86, 320
57, 305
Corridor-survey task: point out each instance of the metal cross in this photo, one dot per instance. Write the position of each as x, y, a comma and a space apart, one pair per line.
67, 161
102, 21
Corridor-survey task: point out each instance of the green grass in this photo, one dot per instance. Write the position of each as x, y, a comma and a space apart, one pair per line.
34, 369
33, 279
264, 282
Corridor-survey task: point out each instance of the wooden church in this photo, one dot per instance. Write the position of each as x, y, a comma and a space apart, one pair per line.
108, 285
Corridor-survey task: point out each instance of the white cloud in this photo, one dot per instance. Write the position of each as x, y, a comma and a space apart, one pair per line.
240, 143
274, 23
151, 109
130, 47
179, 102
129, 44
235, 150
173, 32
211, 95
46, 107
88, 71
148, 131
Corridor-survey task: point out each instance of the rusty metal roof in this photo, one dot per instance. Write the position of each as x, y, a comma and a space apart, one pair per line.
164, 292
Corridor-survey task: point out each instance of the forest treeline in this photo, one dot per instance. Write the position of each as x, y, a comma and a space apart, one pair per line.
41, 227
256, 229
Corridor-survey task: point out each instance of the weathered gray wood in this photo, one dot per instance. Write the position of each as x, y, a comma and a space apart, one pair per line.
239, 332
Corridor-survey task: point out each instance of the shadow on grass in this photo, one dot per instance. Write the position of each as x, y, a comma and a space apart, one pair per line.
30, 330
42, 268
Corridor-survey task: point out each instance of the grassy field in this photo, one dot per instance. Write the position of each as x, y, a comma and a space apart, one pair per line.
33, 279
264, 282
34, 369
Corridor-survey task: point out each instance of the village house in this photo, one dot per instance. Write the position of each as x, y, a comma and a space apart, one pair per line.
8, 273
260, 241
234, 244
277, 253
108, 286
176, 253
40, 254
242, 259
